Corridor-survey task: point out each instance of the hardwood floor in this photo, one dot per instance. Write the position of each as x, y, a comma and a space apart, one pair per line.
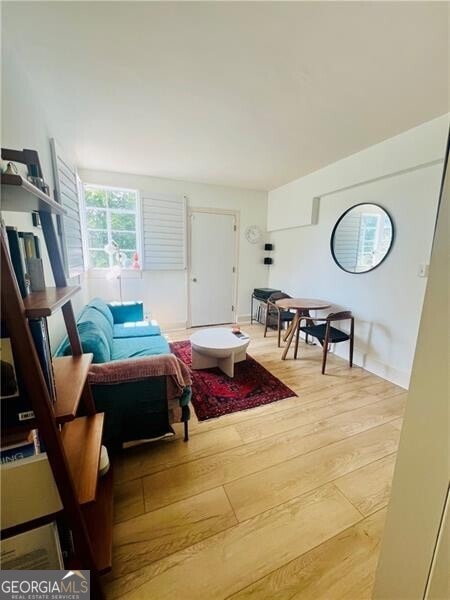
285, 501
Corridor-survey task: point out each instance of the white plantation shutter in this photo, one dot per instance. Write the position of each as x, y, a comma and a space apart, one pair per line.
69, 225
164, 232
346, 244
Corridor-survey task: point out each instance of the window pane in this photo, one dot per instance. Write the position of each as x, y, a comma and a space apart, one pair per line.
123, 221
97, 239
370, 220
95, 197
96, 218
119, 199
126, 241
98, 259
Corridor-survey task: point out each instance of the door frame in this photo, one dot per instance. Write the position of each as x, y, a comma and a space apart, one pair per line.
214, 211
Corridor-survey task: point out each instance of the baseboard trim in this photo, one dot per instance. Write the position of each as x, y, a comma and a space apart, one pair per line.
173, 326
243, 319
361, 359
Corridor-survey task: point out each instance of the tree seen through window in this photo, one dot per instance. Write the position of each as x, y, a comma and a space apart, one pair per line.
111, 215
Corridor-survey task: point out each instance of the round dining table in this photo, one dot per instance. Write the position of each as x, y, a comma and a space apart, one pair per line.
302, 307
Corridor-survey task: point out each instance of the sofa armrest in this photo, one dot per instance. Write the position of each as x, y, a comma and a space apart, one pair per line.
125, 312
135, 369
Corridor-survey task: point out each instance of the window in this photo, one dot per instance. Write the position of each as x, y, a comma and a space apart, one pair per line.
375, 239
112, 215
368, 239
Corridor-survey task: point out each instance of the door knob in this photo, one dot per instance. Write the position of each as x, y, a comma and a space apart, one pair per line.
194, 279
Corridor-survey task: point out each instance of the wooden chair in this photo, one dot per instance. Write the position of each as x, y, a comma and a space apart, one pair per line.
327, 334
274, 311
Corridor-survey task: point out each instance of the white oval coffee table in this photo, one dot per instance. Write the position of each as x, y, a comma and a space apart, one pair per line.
218, 347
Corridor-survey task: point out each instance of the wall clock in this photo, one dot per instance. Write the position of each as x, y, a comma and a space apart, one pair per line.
253, 234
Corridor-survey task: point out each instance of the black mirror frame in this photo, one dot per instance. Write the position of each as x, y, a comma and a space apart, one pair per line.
336, 226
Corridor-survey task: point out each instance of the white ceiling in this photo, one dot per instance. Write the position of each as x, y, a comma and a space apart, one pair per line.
247, 94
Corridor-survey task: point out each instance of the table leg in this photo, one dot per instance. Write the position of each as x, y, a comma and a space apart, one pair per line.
226, 365
297, 336
288, 331
291, 335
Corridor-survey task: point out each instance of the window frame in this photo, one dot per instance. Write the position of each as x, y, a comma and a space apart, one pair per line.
138, 224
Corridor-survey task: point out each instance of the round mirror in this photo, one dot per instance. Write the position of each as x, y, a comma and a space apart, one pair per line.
362, 238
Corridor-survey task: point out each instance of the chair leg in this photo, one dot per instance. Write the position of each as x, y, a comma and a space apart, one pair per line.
324, 359
266, 323
351, 352
279, 330
186, 431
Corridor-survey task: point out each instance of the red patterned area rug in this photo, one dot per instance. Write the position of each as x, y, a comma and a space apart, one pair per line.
215, 394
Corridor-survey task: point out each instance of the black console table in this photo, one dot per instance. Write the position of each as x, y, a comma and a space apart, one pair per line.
261, 295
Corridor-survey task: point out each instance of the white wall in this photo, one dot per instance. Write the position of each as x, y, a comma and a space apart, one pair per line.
26, 125
412, 148
387, 302
165, 292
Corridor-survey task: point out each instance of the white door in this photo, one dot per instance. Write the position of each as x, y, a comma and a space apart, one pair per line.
212, 268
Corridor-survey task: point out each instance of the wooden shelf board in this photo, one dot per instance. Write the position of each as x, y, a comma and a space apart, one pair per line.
19, 195
43, 304
82, 440
99, 522
27, 525
70, 377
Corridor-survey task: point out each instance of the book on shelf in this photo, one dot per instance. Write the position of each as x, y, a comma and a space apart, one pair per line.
15, 407
19, 446
36, 274
23, 252
33, 260
37, 244
39, 332
28, 491
29, 244
17, 258
36, 549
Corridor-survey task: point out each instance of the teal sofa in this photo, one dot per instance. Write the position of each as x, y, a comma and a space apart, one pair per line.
138, 408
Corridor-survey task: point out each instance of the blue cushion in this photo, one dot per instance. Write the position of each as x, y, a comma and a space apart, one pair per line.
124, 312
92, 315
133, 330
101, 306
139, 346
92, 340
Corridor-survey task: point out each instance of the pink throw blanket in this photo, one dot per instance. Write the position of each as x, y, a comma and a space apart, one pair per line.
134, 369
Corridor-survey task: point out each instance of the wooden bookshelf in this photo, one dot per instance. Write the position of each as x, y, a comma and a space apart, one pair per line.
98, 517
73, 444
19, 195
44, 304
82, 441
73, 369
